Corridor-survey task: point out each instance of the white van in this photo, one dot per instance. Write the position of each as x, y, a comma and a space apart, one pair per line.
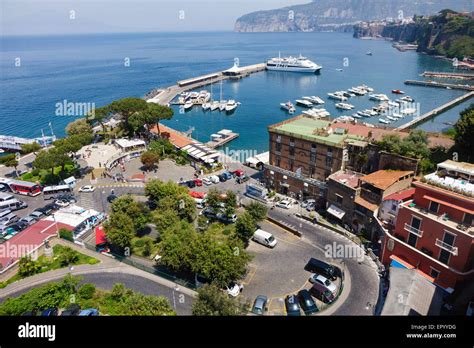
6, 196
13, 204
200, 202
7, 217
264, 238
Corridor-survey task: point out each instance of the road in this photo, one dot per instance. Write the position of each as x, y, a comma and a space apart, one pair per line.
364, 281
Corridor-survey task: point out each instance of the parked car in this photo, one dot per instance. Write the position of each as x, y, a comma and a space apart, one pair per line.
228, 175
52, 206
234, 289
318, 278
307, 303
285, 204
37, 214
28, 220
9, 219
307, 202
19, 225
50, 312
111, 198
208, 212
214, 179
62, 203
292, 306
321, 267
322, 293
67, 197
238, 173
242, 179
207, 181
90, 312
311, 206
260, 305
87, 188
198, 182
71, 310
182, 183
222, 177
45, 210
227, 219
191, 184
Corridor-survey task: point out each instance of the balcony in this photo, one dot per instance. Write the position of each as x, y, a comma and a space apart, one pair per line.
413, 230
453, 250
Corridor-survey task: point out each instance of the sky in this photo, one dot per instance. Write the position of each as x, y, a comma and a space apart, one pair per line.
43, 17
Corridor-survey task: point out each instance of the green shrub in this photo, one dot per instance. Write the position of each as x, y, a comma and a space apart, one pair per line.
86, 291
64, 233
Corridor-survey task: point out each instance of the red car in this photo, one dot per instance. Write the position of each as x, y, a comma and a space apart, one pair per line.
238, 172
198, 182
200, 195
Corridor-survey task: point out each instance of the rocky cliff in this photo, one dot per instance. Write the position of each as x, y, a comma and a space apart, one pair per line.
324, 15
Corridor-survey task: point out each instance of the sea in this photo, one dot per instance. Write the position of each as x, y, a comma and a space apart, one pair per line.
39, 73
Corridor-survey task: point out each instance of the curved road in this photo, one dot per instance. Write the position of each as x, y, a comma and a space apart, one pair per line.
361, 291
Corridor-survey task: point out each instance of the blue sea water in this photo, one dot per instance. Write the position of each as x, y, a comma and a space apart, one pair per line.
91, 69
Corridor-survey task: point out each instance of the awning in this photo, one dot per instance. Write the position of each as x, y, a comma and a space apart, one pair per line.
335, 211
454, 206
100, 237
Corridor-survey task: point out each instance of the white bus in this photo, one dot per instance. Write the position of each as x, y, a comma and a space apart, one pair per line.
50, 192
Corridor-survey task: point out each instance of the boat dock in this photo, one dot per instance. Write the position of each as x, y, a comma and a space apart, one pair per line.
13, 144
221, 138
448, 75
164, 96
465, 87
437, 111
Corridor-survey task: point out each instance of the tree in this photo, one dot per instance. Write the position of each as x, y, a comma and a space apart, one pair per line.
464, 138
176, 246
164, 219
245, 227
45, 160
32, 147
138, 212
27, 266
212, 301
183, 204
99, 115
213, 200
161, 146
68, 257
79, 127
257, 211
120, 229
155, 113
12, 163
157, 189
128, 107
87, 291
230, 203
149, 159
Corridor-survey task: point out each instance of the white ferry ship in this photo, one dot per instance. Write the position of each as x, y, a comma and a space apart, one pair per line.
293, 64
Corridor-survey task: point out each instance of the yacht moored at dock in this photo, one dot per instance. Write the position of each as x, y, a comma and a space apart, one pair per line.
231, 106
288, 106
305, 103
337, 96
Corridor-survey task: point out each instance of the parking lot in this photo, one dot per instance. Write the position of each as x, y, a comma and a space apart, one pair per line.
279, 272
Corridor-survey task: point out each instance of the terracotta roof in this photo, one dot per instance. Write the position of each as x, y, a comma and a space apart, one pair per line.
176, 138
400, 196
366, 204
383, 179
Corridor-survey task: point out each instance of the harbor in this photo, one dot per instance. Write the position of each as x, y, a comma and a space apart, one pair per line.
433, 113
435, 84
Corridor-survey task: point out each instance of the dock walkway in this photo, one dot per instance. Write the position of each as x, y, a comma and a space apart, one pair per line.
166, 95
436, 111
464, 87
448, 75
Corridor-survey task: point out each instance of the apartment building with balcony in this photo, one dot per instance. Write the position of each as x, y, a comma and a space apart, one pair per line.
304, 152
434, 230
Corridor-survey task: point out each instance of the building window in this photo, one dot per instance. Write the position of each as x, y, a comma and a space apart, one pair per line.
291, 165
278, 138
329, 153
434, 207
412, 239
449, 238
278, 146
328, 161
339, 199
394, 206
313, 147
278, 161
292, 142
312, 171
292, 151
467, 219
415, 222
312, 157
434, 273
444, 256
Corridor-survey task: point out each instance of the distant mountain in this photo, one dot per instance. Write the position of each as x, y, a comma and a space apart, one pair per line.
324, 15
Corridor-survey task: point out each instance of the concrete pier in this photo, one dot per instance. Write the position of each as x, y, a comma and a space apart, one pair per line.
448, 75
465, 87
437, 111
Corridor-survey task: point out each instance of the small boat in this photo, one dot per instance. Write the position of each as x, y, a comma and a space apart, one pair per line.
369, 53
339, 69
357, 91
314, 99
407, 99
348, 94
337, 96
206, 106
188, 105
396, 115
345, 119
231, 106
356, 116
391, 118
288, 107
378, 97
305, 103
366, 88
382, 120
222, 105
215, 105
344, 106
364, 114
397, 91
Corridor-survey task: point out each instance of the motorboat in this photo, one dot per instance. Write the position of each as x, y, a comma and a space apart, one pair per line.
407, 99
204, 96
206, 106
337, 96
293, 64
397, 91
382, 120
369, 53
356, 115
231, 105
357, 91
305, 103
391, 118
188, 105
345, 119
215, 105
378, 97
348, 94
314, 100
289, 107
392, 104
366, 88
344, 106
397, 115
364, 113
408, 111
222, 105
